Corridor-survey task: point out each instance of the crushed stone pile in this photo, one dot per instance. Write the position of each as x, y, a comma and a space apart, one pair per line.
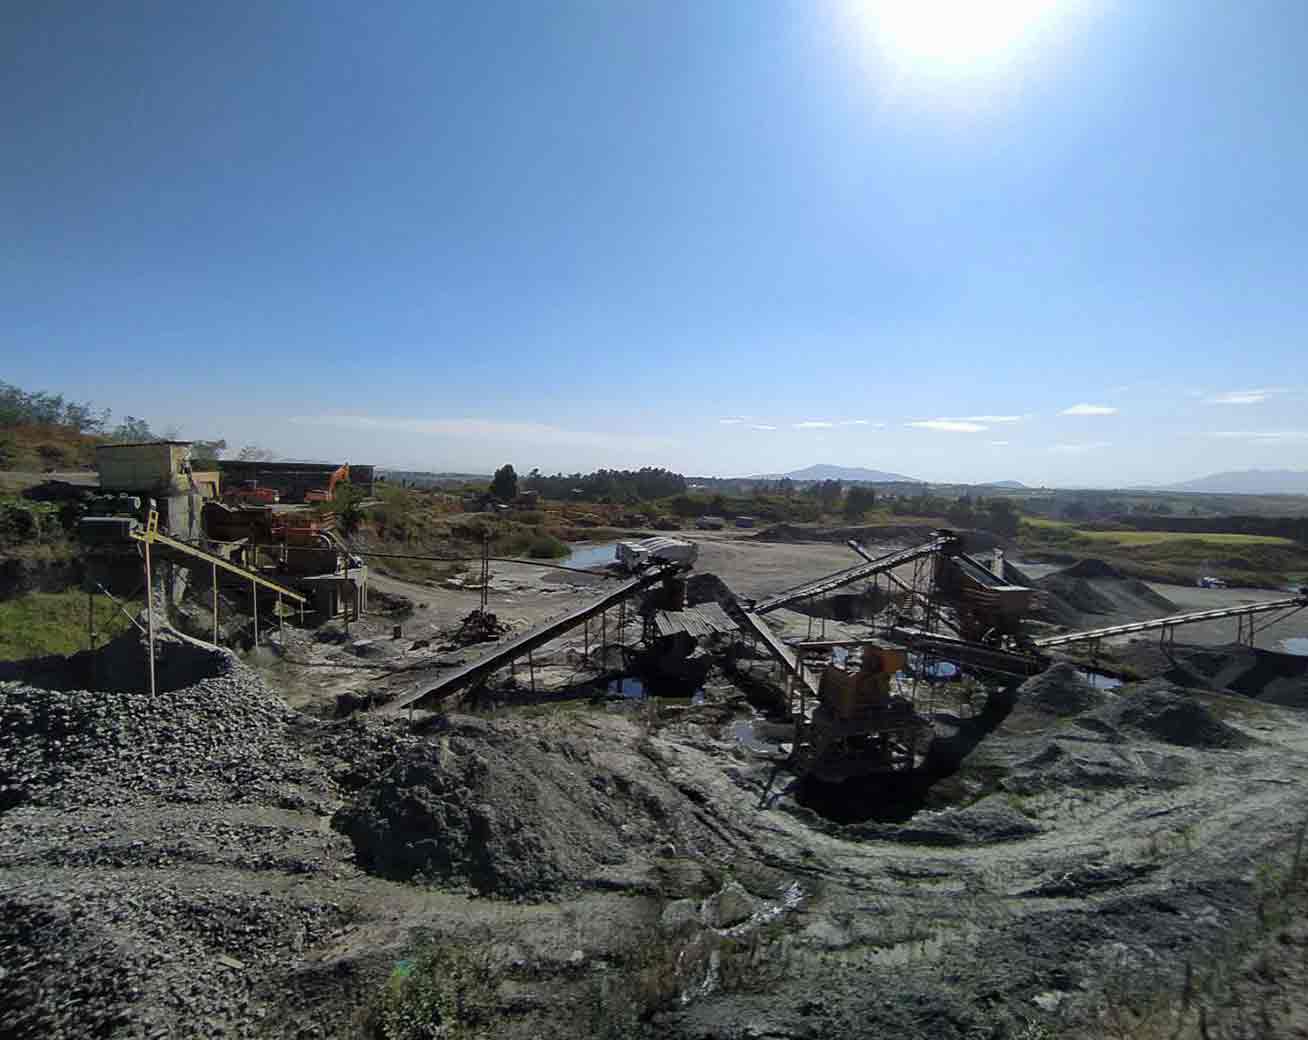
142, 843
219, 740
1092, 568
1261, 674
1060, 690
504, 809
1063, 734
1162, 711
1092, 590
114, 959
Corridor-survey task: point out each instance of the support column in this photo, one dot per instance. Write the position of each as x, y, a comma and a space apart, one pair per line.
149, 612
254, 599
215, 604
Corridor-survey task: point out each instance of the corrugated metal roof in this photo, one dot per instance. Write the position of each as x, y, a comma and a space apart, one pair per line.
698, 622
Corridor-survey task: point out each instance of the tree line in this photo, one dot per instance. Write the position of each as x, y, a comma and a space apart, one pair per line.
20, 407
619, 486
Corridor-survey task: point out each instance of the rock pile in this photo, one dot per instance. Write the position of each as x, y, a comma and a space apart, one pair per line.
218, 740
501, 808
1160, 710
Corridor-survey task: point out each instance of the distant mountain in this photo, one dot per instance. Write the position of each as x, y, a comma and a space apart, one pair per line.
849, 474
1014, 485
1249, 482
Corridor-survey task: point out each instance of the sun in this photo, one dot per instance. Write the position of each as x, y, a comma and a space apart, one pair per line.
944, 36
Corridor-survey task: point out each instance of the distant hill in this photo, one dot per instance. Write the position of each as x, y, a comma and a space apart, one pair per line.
850, 474
1013, 485
1249, 482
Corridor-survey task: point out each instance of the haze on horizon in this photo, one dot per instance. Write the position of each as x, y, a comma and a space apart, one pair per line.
1061, 243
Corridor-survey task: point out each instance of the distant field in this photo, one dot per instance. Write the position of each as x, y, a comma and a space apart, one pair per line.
1155, 537
42, 623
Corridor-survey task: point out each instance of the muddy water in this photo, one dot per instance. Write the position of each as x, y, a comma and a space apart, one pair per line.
585, 554
633, 688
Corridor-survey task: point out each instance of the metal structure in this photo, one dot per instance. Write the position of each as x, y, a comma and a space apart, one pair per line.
1244, 614
527, 642
880, 565
151, 535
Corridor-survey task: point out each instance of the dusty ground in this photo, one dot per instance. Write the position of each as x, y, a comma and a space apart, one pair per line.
216, 862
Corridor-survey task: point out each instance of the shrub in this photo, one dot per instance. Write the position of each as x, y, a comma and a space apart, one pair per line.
443, 991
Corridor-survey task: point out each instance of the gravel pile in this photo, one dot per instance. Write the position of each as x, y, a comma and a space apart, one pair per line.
114, 958
502, 809
220, 740
142, 839
1059, 690
1262, 674
1162, 711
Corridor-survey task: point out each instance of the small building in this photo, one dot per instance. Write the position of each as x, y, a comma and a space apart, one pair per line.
159, 470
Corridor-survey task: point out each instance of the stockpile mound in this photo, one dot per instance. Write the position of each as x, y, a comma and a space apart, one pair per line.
221, 739
1160, 710
1262, 674
1061, 691
507, 811
126, 958
1094, 591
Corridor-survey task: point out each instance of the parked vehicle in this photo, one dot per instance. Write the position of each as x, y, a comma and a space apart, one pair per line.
635, 555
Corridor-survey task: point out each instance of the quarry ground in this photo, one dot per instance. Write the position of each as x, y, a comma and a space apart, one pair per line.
231, 859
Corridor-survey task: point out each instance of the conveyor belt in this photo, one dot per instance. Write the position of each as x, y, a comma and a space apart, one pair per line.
1292, 604
851, 574
528, 641
962, 651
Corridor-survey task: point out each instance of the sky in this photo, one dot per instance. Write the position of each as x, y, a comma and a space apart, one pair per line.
1057, 242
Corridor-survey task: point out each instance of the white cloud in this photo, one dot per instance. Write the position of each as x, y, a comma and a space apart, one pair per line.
855, 422
999, 444
949, 425
814, 424
1079, 449
1089, 409
488, 429
1262, 435
988, 419
732, 420
762, 426
1243, 396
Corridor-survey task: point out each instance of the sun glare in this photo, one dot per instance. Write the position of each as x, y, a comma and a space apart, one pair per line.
950, 36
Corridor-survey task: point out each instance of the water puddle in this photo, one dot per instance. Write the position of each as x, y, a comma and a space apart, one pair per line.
585, 555
627, 686
756, 735
932, 670
633, 688
1099, 680
1295, 645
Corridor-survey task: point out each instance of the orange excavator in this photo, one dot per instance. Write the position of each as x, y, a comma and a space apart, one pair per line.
328, 493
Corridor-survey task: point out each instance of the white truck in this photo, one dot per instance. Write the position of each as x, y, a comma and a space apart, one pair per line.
635, 555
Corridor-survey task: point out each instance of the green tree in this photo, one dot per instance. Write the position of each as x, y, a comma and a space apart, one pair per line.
1001, 517
208, 451
133, 431
859, 500
504, 485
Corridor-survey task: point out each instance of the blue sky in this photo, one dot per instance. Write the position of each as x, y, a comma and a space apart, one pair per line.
722, 237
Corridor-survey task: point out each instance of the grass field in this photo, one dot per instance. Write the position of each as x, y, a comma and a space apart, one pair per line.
42, 623
1154, 537
1171, 556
